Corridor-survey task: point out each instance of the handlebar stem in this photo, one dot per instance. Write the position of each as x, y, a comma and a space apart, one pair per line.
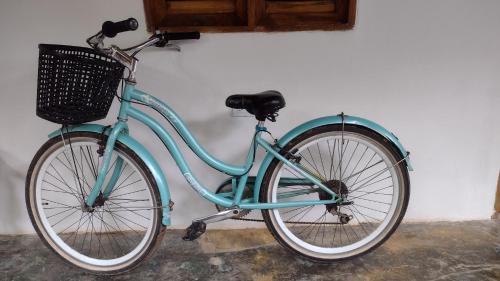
129, 61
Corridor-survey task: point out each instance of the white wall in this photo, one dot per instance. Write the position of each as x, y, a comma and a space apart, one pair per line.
427, 70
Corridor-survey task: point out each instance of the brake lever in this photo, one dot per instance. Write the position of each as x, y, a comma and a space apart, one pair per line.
96, 41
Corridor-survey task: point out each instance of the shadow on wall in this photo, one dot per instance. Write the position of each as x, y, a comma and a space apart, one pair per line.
13, 214
219, 128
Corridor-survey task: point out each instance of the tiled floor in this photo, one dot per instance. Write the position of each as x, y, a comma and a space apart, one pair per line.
430, 251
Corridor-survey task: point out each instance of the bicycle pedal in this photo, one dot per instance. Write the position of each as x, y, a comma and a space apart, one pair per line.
195, 230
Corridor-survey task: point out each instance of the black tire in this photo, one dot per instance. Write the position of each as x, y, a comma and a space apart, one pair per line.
389, 147
158, 229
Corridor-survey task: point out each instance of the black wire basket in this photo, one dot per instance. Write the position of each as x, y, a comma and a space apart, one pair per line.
75, 84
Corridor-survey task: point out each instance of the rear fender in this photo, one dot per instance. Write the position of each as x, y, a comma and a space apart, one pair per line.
328, 120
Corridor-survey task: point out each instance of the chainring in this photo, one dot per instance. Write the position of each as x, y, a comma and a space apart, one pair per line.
247, 193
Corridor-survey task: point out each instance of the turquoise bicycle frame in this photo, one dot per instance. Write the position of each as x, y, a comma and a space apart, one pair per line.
239, 174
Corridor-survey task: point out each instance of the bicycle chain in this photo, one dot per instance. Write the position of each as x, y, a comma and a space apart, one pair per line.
294, 222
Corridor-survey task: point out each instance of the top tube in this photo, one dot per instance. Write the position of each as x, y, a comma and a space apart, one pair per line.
131, 93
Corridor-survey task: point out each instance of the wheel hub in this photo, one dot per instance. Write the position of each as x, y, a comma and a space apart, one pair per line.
336, 186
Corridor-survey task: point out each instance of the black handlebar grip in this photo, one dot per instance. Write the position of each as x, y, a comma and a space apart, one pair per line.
110, 29
182, 35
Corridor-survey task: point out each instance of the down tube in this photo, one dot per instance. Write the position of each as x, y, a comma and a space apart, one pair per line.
178, 157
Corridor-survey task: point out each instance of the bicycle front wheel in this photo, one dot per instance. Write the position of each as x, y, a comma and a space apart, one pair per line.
357, 164
114, 235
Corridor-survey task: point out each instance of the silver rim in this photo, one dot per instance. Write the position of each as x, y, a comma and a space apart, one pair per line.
356, 165
113, 235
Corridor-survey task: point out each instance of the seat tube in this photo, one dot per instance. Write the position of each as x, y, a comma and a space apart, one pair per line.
242, 181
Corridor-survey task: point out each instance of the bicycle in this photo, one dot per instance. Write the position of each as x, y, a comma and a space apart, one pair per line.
330, 189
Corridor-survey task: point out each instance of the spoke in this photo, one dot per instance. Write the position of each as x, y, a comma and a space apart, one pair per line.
129, 200
117, 215
71, 170
350, 159
85, 234
75, 175
334, 234
373, 192
359, 222
340, 151
81, 166
372, 183
76, 168
365, 216
111, 230
342, 156
332, 158
294, 209
128, 193
58, 203
119, 230
118, 188
303, 215
60, 176
58, 213
363, 206
64, 218
61, 180
92, 161
87, 160
119, 185
62, 231
375, 201
292, 172
128, 209
323, 218
314, 162
370, 179
358, 174
324, 229
52, 208
309, 163
314, 223
78, 228
321, 160
61, 189
99, 237
357, 163
91, 234
343, 227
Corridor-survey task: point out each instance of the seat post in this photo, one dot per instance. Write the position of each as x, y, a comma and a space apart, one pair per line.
260, 126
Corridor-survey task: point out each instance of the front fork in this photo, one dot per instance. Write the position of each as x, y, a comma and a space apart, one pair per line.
120, 127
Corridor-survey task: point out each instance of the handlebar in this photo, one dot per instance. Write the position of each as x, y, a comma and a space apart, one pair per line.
168, 36
126, 56
110, 29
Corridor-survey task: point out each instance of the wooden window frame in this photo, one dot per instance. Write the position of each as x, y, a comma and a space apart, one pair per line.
249, 15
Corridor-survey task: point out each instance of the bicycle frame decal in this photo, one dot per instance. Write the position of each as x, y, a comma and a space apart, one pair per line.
195, 184
240, 173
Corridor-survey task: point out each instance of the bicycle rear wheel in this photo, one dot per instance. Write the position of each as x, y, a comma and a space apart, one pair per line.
357, 164
114, 235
